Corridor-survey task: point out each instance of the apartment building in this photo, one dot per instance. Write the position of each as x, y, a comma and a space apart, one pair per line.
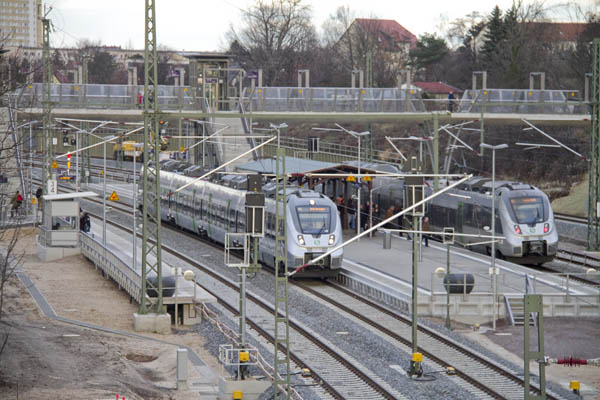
20, 23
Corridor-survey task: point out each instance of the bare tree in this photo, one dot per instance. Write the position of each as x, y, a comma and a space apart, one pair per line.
277, 36
10, 258
365, 44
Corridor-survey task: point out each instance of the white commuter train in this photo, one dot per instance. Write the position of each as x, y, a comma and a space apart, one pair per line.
524, 217
210, 209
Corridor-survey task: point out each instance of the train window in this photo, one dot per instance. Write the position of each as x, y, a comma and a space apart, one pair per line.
468, 214
270, 224
232, 219
314, 220
528, 210
240, 221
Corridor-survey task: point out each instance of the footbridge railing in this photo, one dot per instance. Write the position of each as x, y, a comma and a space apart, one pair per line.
313, 100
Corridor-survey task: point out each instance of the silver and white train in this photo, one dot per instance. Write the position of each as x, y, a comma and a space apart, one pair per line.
210, 209
523, 216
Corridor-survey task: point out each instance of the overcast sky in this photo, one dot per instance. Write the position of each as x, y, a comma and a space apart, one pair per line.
200, 24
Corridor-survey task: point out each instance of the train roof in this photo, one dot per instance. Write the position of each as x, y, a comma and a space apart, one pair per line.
484, 185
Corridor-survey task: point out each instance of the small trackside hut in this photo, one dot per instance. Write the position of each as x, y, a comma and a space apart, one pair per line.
58, 235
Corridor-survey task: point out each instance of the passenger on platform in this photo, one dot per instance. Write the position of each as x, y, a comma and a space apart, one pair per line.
340, 207
399, 224
364, 218
140, 99
389, 214
38, 193
351, 213
16, 202
426, 228
375, 214
84, 222
451, 101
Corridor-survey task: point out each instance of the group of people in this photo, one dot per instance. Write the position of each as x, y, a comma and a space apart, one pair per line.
17, 200
349, 208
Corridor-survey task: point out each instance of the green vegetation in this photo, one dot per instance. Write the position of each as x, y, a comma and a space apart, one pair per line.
576, 202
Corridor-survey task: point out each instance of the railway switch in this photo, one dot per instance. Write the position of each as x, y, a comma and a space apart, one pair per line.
450, 371
306, 372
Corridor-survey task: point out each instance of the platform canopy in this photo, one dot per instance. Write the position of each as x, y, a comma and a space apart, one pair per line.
69, 196
293, 165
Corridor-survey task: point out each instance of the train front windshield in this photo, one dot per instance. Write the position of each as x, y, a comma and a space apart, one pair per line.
314, 220
528, 210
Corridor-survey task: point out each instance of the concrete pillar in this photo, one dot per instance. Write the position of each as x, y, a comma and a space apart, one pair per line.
306, 73
361, 78
182, 369
542, 76
260, 78
181, 79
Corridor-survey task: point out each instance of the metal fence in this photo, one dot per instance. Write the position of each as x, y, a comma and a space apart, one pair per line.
69, 95
296, 99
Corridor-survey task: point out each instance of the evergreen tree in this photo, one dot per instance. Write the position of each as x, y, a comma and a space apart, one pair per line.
429, 51
493, 37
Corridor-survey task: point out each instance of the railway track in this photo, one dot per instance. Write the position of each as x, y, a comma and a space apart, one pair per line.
488, 378
570, 218
340, 375
481, 376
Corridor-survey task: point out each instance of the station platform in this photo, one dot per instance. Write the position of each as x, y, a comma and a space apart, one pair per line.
391, 269
387, 274
121, 246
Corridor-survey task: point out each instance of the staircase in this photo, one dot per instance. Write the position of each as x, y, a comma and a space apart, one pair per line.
515, 310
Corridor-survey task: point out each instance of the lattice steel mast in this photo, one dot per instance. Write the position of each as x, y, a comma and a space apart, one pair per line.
594, 198
282, 328
151, 251
47, 145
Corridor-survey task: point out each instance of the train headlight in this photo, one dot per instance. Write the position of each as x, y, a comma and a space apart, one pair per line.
546, 227
331, 239
301, 240
517, 230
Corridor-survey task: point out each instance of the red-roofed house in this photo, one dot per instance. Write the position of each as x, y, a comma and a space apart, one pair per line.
386, 40
389, 33
560, 35
438, 90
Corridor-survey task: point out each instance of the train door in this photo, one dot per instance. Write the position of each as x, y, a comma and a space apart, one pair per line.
170, 201
194, 211
211, 212
459, 221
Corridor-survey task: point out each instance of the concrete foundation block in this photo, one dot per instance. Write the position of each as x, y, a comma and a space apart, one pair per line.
250, 388
47, 254
190, 315
151, 322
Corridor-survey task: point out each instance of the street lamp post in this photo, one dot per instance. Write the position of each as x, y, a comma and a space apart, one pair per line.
278, 129
104, 199
494, 274
357, 135
135, 192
